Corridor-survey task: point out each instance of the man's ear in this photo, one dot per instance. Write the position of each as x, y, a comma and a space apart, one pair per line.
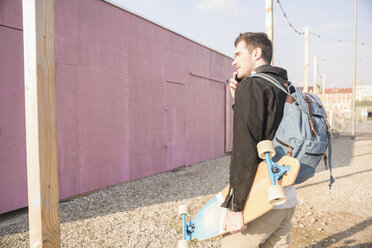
257, 53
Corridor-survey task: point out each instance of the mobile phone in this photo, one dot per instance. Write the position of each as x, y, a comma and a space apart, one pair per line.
237, 79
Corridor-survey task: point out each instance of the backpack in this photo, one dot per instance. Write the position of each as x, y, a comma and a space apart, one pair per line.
303, 132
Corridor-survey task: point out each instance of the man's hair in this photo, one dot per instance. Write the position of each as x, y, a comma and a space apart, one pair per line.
254, 40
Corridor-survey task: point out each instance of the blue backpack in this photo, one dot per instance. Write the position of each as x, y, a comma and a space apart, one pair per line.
303, 132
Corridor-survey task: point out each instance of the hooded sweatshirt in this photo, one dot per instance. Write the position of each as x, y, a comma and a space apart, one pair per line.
258, 110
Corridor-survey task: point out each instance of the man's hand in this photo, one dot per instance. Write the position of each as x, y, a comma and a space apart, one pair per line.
233, 84
234, 222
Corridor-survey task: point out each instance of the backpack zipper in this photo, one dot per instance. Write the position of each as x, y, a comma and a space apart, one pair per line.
290, 148
314, 154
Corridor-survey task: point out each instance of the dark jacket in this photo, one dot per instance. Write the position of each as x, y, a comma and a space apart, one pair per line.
258, 110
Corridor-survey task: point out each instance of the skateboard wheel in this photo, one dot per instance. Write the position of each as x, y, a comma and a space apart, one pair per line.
265, 146
276, 195
183, 209
183, 244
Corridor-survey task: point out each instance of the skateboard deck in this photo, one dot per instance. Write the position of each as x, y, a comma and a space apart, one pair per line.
208, 222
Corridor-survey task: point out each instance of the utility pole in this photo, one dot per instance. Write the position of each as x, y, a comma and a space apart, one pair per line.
315, 91
269, 23
41, 128
306, 64
354, 72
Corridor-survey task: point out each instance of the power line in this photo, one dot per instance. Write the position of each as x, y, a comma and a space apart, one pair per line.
312, 33
289, 23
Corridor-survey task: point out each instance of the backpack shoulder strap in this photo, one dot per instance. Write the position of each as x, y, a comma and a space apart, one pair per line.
331, 179
271, 80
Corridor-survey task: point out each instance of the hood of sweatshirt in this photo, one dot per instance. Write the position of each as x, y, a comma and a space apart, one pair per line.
274, 71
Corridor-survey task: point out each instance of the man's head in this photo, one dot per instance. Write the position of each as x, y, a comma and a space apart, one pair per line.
252, 50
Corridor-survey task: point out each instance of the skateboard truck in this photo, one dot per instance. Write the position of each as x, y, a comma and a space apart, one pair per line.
187, 229
275, 171
275, 193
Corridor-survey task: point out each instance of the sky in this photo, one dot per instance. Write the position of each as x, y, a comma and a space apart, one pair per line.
217, 23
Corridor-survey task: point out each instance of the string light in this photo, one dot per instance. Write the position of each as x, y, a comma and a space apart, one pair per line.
312, 33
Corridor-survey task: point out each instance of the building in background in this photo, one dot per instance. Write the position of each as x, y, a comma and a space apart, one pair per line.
311, 89
363, 92
338, 101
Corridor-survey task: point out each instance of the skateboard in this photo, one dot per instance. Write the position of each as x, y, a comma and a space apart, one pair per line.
266, 192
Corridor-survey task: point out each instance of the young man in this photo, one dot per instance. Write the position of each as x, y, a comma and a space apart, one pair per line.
258, 110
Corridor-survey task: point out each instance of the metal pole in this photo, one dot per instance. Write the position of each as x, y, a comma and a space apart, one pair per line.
306, 67
354, 73
269, 23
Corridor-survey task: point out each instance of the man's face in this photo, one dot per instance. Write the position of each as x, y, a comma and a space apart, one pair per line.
244, 61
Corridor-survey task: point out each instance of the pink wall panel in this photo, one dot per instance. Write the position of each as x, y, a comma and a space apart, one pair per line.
127, 106
67, 128
175, 125
205, 120
13, 176
101, 82
102, 129
11, 13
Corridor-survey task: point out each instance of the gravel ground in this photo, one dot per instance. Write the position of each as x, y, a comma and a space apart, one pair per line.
143, 213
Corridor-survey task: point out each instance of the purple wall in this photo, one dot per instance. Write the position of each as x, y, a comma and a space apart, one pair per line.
13, 178
127, 105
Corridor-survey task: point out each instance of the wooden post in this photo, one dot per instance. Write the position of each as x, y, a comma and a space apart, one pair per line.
41, 141
269, 23
306, 64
